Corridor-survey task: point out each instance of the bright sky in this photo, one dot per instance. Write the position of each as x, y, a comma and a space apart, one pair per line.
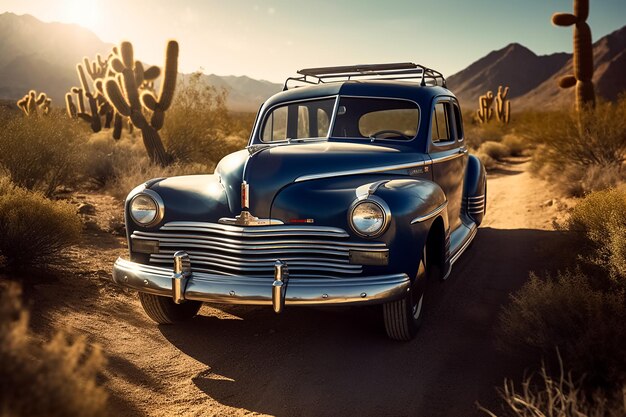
271, 39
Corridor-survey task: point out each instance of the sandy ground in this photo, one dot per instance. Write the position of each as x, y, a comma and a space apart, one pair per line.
312, 362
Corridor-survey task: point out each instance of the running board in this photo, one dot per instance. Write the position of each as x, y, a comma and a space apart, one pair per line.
460, 240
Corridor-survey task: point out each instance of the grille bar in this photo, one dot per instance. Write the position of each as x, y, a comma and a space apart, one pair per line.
310, 251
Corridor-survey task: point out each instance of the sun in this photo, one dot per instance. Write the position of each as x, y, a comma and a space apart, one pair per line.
85, 13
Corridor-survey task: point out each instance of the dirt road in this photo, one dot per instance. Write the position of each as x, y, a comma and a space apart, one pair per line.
246, 361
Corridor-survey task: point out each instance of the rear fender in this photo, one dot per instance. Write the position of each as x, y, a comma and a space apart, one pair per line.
475, 190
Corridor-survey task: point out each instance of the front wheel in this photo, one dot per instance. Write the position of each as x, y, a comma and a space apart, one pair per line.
164, 310
404, 317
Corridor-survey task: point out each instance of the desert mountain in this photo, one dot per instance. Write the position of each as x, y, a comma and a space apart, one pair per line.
43, 56
533, 78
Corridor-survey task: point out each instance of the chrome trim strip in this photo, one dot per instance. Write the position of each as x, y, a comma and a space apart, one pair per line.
239, 289
465, 245
430, 215
447, 158
361, 171
260, 231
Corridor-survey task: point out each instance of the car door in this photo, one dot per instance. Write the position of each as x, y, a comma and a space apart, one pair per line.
448, 154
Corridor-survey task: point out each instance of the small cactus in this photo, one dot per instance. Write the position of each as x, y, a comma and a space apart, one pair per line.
583, 54
503, 105
485, 110
31, 104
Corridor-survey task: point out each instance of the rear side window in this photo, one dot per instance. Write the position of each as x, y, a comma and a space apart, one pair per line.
459, 122
441, 123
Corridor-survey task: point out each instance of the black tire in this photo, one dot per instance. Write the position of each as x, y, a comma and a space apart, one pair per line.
164, 310
404, 317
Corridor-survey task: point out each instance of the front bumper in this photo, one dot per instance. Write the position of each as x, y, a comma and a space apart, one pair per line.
213, 288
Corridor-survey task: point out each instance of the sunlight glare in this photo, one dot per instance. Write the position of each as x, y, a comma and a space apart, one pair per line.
82, 12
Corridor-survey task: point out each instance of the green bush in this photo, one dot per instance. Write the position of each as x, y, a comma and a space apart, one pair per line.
55, 378
41, 153
588, 326
495, 150
601, 218
34, 230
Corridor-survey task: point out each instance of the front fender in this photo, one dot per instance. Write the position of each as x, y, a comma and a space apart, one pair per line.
326, 202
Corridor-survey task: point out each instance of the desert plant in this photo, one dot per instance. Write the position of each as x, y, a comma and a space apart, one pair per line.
516, 144
602, 143
495, 150
54, 378
199, 127
485, 110
40, 153
124, 95
503, 105
31, 104
583, 55
558, 396
587, 324
601, 218
33, 229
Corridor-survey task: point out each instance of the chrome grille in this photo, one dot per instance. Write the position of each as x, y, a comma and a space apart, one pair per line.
309, 251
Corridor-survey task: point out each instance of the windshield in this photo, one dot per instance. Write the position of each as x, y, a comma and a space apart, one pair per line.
356, 118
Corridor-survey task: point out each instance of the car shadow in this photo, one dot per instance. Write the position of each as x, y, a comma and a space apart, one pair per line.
316, 362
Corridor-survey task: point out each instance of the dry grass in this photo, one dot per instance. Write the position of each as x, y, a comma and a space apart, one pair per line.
41, 153
601, 218
562, 396
587, 324
53, 378
198, 127
33, 229
581, 160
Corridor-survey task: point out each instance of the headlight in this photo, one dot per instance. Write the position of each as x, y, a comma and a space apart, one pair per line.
369, 217
146, 208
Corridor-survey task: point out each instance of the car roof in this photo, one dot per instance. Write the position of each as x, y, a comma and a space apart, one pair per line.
409, 90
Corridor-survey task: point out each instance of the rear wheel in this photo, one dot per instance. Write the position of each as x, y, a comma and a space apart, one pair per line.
404, 317
164, 310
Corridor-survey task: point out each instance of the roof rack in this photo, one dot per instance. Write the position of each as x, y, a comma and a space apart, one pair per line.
395, 71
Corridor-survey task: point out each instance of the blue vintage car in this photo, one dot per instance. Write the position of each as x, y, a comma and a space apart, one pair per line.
356, 188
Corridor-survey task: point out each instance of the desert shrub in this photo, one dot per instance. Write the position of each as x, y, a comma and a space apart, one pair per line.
476, 133
54, 378
488, 162
601, 218
516, 144
40, 153
33, 229
562, 396
601, 143
495, 150
587, 324
198, 127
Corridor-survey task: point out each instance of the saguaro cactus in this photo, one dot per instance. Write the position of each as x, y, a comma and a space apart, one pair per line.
503, 105
123, 92
583, 54
485, 110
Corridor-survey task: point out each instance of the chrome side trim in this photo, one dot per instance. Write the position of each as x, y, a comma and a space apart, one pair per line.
430, 215
371, 170
447, 157
238, 289
464, 246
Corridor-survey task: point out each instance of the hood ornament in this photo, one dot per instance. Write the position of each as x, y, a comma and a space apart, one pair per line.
245, 218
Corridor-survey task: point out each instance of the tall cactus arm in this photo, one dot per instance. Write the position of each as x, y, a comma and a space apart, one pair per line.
171, 72
127, 54
564, 19
83, 78
152, 73
115, 96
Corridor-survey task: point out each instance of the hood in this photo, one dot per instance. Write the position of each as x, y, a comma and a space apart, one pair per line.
270, 170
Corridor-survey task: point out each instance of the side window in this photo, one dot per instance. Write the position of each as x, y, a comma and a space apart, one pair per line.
459, 122
441, 123
276, 126
302, 120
